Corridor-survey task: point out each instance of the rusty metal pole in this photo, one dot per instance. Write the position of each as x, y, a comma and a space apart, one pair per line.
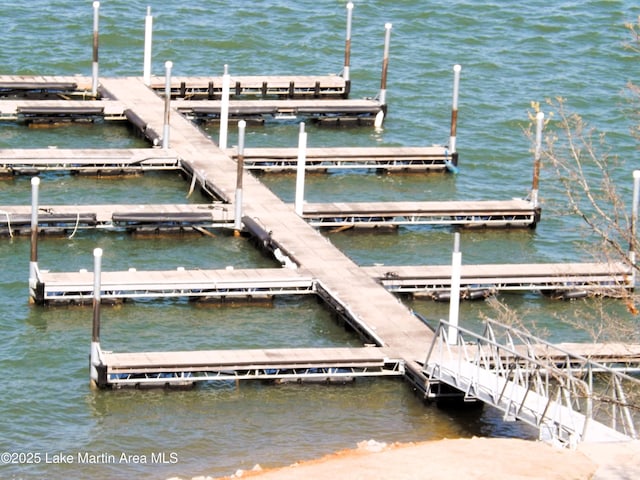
167, 104
536, 159
94, 83
300, 170
240, 170
382, 96
454, 108
95, 360
347, 46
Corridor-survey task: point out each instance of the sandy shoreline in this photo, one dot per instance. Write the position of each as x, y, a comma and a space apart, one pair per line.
465, 458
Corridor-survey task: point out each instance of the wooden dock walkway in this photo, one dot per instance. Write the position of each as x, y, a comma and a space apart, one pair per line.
488, 213
397, 338
559, 280
226, 284
56, 111
325, 99
387, 159
300, 365
30, 161
329, 112
86, 161
251, 86
16, 220
362, 302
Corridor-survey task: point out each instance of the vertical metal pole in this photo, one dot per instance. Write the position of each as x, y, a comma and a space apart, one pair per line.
167, 103
96, 15
536, 160
382, 97
634, 221
148, 34
240, 168
454, 303
33, 260
347, 46
302, 156
454, 108
224, 109
95, 332
97, 267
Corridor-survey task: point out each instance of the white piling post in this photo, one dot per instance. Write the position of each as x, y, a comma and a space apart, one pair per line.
240, 168
167, 103
454, 303
33, 260
96, 361
347, 46
300, 171
148, 34
224, 109
634, 220
536, 159
454, 108
96, 15
382, 97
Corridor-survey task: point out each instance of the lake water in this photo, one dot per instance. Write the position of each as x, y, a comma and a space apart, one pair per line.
511, 53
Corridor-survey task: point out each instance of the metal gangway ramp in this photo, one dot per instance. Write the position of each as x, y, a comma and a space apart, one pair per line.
569, 398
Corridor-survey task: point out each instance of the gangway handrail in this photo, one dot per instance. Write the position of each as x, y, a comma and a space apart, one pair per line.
529, 376
585, 365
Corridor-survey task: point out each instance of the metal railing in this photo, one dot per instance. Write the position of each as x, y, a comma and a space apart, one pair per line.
569, 398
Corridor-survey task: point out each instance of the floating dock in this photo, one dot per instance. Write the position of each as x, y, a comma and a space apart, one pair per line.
559, 280
139, 160
394, 338
183, 369
17, 220
387, 159
397, 338
256, 87
366, 305
325, 112
99, 162
515, 213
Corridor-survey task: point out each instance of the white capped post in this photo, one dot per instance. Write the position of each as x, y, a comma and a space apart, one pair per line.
240, 168
347, 46
168, 65
302, 157
33, 261
536, 159
148, 34
382, 97
224, 109
454, 303
454, 108
96, 361
94, 76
